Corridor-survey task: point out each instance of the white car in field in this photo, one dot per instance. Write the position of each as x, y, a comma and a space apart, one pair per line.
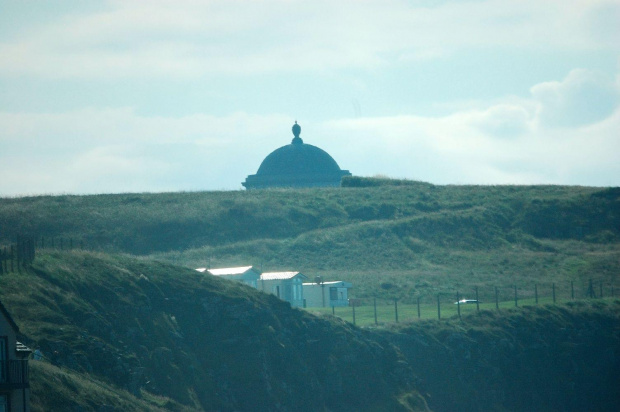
466, 301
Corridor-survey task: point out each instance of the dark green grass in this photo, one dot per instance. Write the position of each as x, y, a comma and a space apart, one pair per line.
136, 334
391, 239
404, 313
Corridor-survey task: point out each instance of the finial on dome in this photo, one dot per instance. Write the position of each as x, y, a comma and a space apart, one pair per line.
296, 133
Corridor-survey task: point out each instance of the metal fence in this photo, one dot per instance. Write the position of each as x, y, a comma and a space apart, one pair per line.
468, 300
18, 255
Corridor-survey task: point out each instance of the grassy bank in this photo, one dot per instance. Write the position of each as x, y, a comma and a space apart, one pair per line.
391, 239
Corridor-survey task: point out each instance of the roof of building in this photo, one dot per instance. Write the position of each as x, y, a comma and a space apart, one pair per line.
21, 348
297, 164
331, 283
280, 275
229, 271
8, 317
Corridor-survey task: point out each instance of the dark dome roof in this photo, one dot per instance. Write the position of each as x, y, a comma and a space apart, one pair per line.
297, 165
298, 158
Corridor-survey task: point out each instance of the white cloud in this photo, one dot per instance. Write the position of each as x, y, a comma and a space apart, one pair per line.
192, 38
206, 152
505, 120
94, 151
508, 142
583, 97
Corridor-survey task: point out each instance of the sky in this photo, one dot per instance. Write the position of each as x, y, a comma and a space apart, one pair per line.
187, 95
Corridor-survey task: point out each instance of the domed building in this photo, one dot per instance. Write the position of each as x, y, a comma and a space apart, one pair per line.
297, 165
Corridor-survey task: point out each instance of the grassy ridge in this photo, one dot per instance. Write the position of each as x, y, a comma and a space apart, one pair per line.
145, 223
135, 334
415, 238
131, 334
149, 332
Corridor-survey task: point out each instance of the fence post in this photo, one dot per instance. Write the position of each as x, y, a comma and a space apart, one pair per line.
334, 310
516, 299
396, 309
31, 250
18, 257
438, 308
375, 303
419, 302
496, 299
458, 304
477, 301
553, 291
536, 293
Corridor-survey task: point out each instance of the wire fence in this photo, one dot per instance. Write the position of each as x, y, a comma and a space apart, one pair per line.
375, 311
18, 255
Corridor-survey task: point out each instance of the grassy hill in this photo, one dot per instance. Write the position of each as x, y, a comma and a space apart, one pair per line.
128, 334
121, 333
390, 238
535, 358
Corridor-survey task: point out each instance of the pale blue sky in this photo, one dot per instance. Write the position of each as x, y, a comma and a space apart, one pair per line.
118, 96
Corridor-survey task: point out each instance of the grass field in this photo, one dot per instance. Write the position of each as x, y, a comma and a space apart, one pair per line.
386, 313
391, 239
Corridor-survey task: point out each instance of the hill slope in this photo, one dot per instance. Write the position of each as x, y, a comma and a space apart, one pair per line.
399, 233
170, 337
538, 358
456, 215
127, 334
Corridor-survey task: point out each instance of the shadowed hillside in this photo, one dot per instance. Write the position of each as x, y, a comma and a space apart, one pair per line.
548, 358
169, 337
126, 334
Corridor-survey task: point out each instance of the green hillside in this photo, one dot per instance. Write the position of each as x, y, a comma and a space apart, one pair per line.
131, 334
121, 333
390, 238
549, 358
